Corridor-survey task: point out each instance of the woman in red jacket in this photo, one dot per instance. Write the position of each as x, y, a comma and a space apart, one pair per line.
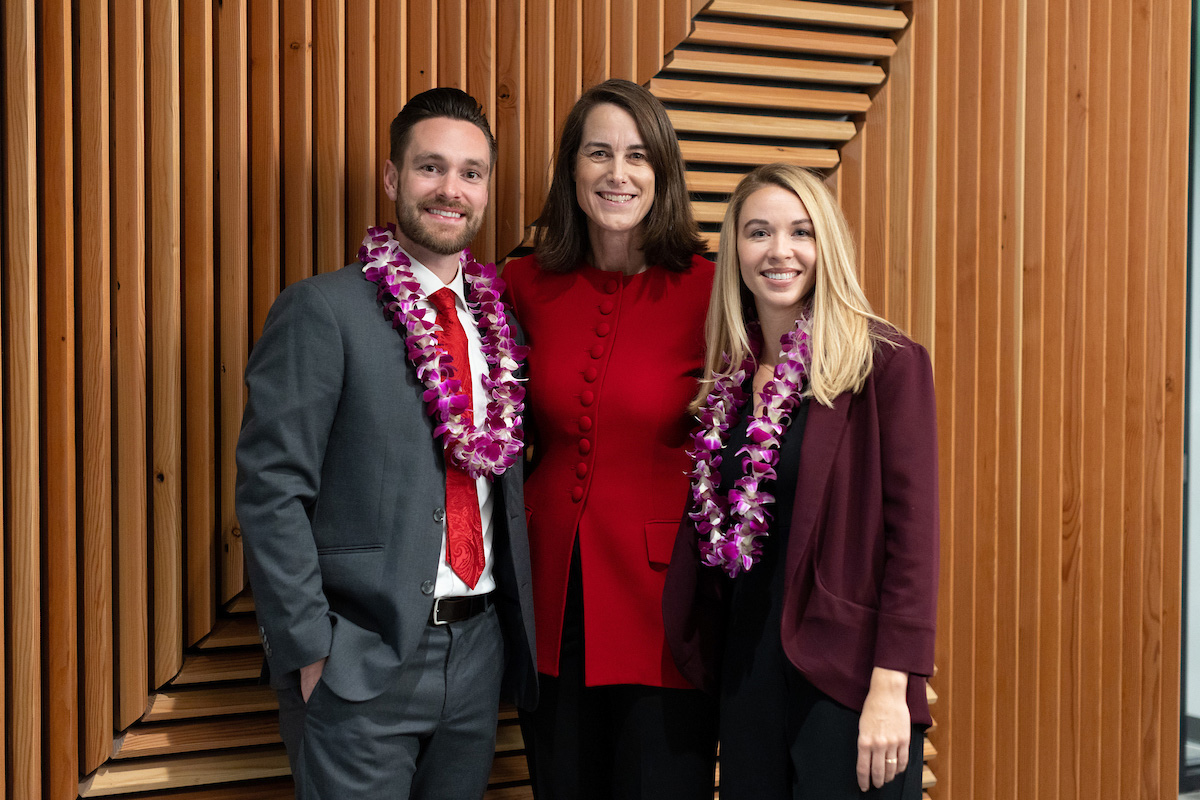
612, 303
803, 586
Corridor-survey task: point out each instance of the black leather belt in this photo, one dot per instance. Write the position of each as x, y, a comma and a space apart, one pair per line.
457, 609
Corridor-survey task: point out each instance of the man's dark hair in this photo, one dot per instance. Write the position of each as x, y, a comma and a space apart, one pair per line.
434, 103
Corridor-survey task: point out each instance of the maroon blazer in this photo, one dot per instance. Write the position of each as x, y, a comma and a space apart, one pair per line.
862, 554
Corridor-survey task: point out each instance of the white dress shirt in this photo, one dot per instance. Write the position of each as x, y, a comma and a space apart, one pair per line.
448, 584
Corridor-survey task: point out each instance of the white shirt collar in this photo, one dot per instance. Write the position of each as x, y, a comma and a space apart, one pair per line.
431, 283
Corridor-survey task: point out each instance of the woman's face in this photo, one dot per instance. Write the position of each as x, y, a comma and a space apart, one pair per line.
777, 250
614, 182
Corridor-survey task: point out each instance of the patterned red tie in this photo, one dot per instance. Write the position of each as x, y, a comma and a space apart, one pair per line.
464, 528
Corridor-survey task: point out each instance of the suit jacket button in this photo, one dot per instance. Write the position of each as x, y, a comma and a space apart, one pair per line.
439, 514
427, 587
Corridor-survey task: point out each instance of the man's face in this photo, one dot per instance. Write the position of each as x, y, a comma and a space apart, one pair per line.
441, 187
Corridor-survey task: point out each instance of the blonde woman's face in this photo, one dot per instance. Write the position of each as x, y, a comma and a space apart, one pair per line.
777, 250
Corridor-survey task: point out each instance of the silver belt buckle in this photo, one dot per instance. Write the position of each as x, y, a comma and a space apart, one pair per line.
437, 606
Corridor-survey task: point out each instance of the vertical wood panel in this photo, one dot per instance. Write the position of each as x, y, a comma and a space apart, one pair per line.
263, 33
649, 39
198, 256
331, 134
21, 506
597, 44
568, 57
165, 339
234, 310
57, 347
129, 335
622, 39
296, 103
392, 92
95, 396
363, 157
421, 44
481, 84
538, 96
509, 127
452, 57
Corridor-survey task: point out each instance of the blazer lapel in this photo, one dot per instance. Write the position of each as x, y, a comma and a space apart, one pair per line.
822, 434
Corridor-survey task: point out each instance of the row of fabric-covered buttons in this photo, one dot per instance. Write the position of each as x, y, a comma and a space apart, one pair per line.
587, 397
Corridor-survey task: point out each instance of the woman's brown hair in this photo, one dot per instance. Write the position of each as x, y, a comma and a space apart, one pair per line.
670, 233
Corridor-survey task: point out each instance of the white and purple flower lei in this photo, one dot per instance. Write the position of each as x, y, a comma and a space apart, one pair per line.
486, 449
730, 527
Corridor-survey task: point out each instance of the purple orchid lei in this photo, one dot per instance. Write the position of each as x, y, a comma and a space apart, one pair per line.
730, 527
486, 449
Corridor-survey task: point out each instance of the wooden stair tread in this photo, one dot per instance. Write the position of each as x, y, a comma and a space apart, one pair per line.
509, 768
825, 130
234, 665
831, 14
759, 37
713, 182
175, 772
774, 67
708, 212
712, 240
142, 741
732, 94
240, 631
752, 155
927, 779
242, 603
509, 793
218, 701
508, 738
266, 789
929, 752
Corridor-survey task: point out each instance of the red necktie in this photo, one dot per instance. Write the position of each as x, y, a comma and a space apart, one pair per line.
464, 529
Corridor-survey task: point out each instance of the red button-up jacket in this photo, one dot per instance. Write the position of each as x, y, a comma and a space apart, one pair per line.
613, 363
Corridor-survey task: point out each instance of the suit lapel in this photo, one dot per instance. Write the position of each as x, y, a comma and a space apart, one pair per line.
822, 435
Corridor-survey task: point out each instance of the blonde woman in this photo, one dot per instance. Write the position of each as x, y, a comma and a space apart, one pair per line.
803, 583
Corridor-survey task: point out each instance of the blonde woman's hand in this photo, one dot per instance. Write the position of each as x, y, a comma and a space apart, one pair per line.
884, 729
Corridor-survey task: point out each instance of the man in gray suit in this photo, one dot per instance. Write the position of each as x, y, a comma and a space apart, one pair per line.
384, 528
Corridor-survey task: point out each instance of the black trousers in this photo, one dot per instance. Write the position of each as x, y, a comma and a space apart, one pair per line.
626, 742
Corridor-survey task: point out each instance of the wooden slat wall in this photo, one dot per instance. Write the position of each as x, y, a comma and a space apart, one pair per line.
1017, 185
1019, 192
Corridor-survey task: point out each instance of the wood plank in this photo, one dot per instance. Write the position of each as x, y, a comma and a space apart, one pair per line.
752, 155
713, 182
57, 348
452, 57
263, 37
708, 211
177, 704
21, 512
508, 738
773, 67
568, 58
509, 768
363, 155
798, 11
421, 42
269, 789
677, 24
756, 37
481, 84
540, 65
391, 92
596, 46
754, 125
234, 260
129, 336
331, 246
242, 604
509, 126
509, 793
231, 632
95, 384
166, 351
142, 741
650, 31
750, 96
121, 777
622, 38
198, 257
233, 665
296, 84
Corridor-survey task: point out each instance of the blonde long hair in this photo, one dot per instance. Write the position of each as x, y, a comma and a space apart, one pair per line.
843, 338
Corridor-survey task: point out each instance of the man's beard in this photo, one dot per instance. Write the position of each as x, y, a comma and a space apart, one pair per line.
416, 228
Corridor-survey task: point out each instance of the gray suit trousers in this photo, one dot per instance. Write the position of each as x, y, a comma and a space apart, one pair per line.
430, 736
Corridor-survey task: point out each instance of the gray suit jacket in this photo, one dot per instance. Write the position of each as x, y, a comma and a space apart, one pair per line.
340, 492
